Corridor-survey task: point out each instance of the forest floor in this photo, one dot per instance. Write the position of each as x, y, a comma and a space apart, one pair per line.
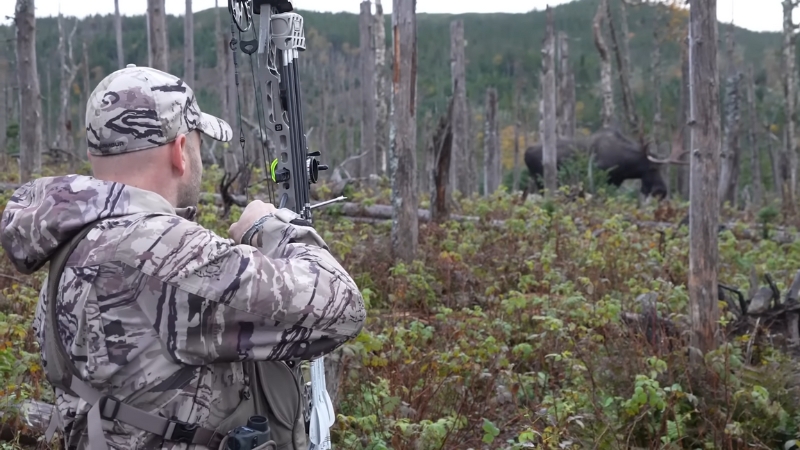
515, 336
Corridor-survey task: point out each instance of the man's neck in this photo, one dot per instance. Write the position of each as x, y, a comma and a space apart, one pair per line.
144, 184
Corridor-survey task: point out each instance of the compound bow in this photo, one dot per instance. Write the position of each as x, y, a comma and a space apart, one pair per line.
277, 45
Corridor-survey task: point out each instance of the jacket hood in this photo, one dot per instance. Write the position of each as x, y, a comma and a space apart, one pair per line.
45, 213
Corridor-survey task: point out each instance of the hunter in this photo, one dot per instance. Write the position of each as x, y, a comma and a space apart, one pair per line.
164, 322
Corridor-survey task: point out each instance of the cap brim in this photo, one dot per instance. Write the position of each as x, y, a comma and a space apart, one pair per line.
215, 128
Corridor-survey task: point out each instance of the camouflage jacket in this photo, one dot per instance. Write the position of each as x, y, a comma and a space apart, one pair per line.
159, 311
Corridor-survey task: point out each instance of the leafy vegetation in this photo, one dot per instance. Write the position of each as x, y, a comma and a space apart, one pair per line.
507, 332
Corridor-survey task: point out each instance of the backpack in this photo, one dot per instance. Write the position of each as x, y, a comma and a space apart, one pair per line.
276, 394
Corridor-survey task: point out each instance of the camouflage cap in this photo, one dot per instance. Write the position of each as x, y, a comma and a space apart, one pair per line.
137, 108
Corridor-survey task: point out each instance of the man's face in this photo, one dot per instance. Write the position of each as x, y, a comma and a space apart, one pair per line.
189, 190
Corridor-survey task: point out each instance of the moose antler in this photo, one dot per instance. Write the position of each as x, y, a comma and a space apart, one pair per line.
675, 155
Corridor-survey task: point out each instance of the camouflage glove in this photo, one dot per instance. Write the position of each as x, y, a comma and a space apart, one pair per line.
280, 229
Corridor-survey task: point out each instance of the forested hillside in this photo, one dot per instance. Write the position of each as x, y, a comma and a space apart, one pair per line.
502, 49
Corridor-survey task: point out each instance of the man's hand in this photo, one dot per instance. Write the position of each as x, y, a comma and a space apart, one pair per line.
254, 211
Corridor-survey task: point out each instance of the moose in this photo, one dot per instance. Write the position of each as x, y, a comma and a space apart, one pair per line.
622, 157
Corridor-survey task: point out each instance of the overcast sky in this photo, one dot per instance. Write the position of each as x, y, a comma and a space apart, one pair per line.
756, 15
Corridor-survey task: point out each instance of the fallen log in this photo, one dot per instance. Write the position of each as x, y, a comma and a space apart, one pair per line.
384, 212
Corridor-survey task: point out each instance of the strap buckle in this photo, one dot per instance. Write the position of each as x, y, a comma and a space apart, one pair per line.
180, 431
103, 402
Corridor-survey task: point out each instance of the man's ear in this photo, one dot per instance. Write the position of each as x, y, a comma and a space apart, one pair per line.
177, 154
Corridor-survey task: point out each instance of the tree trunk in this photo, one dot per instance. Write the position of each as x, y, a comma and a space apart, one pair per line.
118, 32
324, 102
222, 61
775, 147
788, 161
548, 121
623, 62
48, 114
149, 40
157, 18
755, 161
425, 181
87, 91
4, 114
188, 45
368, 105
459, 172
30, 105
63, 138
472, 181
729, 159
606, 87
682, 170
491, 145
382, 120
515, 182
655, 70
566, 90
351, 140
704, 194
442, 149
403, 164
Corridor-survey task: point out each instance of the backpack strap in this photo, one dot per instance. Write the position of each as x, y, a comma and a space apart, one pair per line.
63, 374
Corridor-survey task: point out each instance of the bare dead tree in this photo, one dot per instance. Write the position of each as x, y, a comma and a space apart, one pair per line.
620, 46
351, 143
48, 113
30, 105
519, 82
118, 32
605, 65
704, 194
491, 145
755, 161
381, 88
403, 164
655, 70
681, 171
788, 165
63, 139
548, 122
729, 157
188, 44
566, 90
222, 61
5, 82
442, 146
157, 19
427, 131
459, 172
368, 104
87, 84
